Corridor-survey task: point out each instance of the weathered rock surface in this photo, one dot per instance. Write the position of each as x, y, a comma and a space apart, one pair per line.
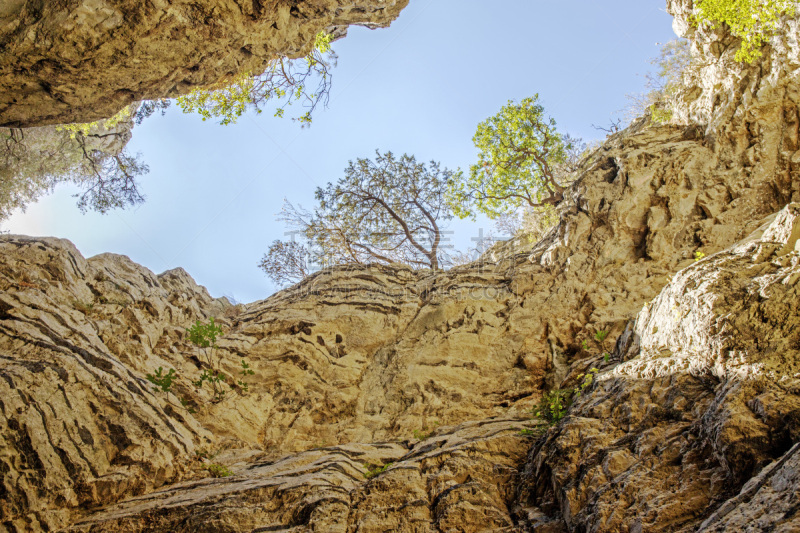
79, 425
693, 422
707, 397
374, 354
693, 430
348, 356
462, 479
722, 92
355, 355
84, 60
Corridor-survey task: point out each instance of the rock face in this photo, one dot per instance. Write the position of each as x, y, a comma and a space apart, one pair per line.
706, 398
723, 92
84, 60
463, 476
351, 355
80, 426
691, 424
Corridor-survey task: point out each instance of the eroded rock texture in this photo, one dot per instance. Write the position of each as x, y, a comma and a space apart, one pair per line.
80, 425
357, 355
375, 353
692, 423
693, 426
84, 60
722, 92
462, 476
707, 397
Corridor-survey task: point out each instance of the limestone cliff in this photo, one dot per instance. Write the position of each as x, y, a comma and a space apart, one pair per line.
692, 424
84, 60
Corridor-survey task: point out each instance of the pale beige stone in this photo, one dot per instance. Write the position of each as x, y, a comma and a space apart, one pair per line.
690, 423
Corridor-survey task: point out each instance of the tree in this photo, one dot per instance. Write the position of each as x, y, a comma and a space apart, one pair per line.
753, 21
387, 210
92, 156
483, 243
286, 262
283, 79
523, 161
673, 60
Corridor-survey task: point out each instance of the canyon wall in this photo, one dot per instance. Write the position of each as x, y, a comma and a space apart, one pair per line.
385, 398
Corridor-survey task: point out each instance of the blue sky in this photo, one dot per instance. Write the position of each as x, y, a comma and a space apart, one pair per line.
419, 87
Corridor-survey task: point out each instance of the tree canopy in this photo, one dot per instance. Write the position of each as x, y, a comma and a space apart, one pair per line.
33, 161
92, 155
523, 161
284, 79
390, 209
286, 262
753, 21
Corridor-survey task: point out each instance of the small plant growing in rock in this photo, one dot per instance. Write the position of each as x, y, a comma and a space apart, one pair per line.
698, 256
246, 371
659, 115
600, 336
218, 470
204, 337
186, 405
161, 380
375, 470
216, 379
202, 453
553, 405
527, 432
586, 381
425, 433
84, 307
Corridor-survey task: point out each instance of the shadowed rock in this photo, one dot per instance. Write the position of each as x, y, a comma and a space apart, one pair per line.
84, 60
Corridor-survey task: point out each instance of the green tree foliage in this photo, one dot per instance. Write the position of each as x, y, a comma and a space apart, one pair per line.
93, 156
523, 161
161, 380
528, 224
753, 21
385, 211
33, 161
204, 336
22, 179
286, 80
